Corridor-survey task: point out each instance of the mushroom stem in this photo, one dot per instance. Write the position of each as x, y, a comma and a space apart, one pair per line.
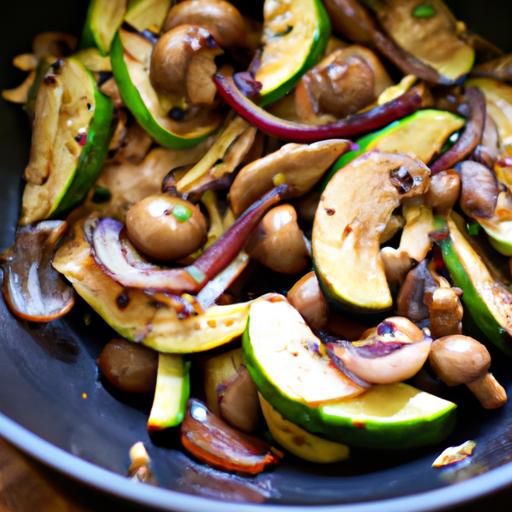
489, 392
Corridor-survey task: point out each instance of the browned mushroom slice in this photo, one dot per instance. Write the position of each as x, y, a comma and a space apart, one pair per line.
444, 191
230, 392
307, 298
222, 19
349, 230
33, 290
298, 165
479, 191
214, 442
487, 152
278, 242
427, 31
343, 83
410, 300
499, 68
415, 242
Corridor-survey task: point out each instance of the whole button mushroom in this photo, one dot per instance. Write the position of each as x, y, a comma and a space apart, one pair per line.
165, 227
128, 366
307, 298
459, 359
219, 17
278, 242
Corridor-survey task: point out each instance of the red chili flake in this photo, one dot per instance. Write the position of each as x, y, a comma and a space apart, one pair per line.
358, 424
81, 138
440, 235
330, 211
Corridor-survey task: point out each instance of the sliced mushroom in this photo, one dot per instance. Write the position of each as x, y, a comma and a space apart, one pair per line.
126, 183
278, 242
307, 298
445, 312
182, 64
33, 290
394, 225
392, 352
230, 392
53, 44
343, 83
479, 190
487, 152
459, 360
223, 158
499, 68
20, 94
444, 191
299, 165
396, 265
419, 223
222, 19
410, 300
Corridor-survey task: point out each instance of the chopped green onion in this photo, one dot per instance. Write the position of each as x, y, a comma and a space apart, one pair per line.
473, 228
181, 213
424, 11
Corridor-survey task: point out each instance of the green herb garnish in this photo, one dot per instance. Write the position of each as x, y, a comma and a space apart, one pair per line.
473, 228
181, 213
424, 11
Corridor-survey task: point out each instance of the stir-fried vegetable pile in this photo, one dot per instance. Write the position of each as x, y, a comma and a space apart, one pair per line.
292, 217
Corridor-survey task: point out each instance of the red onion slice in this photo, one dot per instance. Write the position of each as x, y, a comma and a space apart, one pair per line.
120, 260
350, 126
471, 136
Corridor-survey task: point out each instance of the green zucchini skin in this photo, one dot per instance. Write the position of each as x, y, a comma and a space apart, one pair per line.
319, 421
481, 315
92, 156
134, 102
318, 47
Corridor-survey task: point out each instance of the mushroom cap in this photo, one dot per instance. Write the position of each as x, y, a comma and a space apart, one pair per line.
165, 227
459, 359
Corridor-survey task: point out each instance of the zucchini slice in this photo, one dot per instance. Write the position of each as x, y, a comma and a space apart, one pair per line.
300, 442
131, 54
485, 298
430, 34
295, 35
171, 392
422, 134
147, 14
72, 130
103, 19
394, 416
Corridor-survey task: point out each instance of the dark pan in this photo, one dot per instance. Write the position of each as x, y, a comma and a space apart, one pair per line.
44, 371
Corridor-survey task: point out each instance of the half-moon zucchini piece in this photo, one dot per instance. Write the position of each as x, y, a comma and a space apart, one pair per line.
147, 14
394, 416
103, 19
71, 133
295, 35
131, 54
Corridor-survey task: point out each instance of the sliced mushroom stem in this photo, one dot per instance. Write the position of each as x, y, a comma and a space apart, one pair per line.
445, 313
489, 392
